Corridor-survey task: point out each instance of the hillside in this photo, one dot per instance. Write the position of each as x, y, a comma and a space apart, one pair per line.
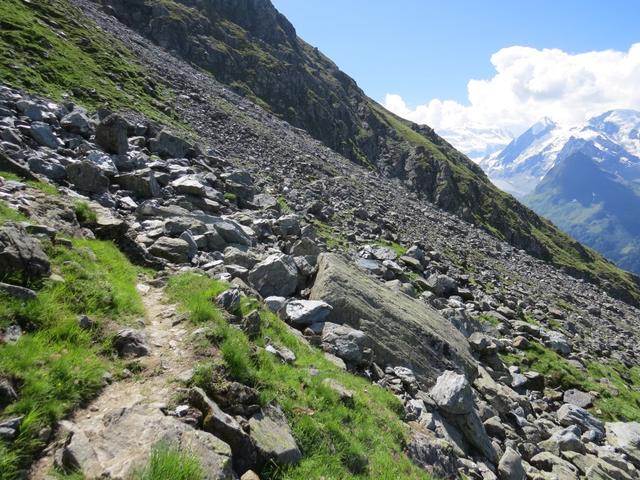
194, 288
267, 63
592, 205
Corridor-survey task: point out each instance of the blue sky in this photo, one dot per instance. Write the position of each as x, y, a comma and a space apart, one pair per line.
423, 49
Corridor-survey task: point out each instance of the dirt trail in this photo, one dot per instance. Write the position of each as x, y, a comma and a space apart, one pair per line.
169, 360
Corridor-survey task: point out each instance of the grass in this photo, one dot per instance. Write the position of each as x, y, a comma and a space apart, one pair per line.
84, 213
168, 462
395, 246
50, 48
56, 365
329, 235
365, 440
8, 214
284, 205
37, 184
620, 403
230, 197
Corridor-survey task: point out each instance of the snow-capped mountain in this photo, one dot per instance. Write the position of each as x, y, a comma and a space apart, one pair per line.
611, 139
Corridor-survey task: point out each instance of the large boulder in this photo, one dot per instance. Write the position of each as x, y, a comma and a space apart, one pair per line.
176, 250
626, 438
44, 135
111, 134
142, 183
21, 254
118, 443
307, 312
569, 415
76, 122
166, 144
87, 177
433, 454
401, 330
276, 275
344, 342
452, 393
272, 437
510, 466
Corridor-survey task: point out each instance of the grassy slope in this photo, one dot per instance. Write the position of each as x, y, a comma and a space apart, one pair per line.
619, 398
337, 441
57, 365
49, 48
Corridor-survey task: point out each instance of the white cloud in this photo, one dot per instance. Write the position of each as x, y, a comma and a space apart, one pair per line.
530, 84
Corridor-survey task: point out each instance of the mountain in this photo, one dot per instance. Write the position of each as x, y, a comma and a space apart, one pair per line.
583, 178
597, 207
612, 138
266, 62
193, 287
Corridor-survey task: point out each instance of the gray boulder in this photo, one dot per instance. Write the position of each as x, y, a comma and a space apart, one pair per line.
21, 254
276, 275
452, 393
43, 134
307, 312
510, 466
47, 167
142, 183
76, 122
344, 342
433, 454
174, 250
272, 437
626, 438
401, 330
111, 134
130, 343
569, 415
7, 393
87, 177
442, 285
578, 398
226, 428
168, 145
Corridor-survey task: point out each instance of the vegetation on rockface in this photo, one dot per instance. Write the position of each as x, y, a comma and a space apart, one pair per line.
362, 440
168, 462
84, 213
617, 386
8, 214
49, 48
37, 184
56, 365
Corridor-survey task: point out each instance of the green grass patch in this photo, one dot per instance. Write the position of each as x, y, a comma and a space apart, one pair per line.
8, 214
84, 212
395, 246
619, 396
168, 462
37, 184
230, 197
365, 440
329, 235
284, 205
56, 365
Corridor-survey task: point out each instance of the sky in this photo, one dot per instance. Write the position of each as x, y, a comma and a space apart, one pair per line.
488, 68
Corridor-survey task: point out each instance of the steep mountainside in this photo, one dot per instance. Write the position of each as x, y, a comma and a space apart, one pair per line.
252, 48
594, 206
193, 288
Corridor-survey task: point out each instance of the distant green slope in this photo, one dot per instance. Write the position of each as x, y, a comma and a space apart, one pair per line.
594, 207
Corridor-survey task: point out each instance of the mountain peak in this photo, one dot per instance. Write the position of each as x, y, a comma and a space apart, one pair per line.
543, 125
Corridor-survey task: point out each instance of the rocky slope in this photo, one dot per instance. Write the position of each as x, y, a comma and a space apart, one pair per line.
487, 361
265, 61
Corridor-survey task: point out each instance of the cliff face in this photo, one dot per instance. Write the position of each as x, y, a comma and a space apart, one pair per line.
252, 48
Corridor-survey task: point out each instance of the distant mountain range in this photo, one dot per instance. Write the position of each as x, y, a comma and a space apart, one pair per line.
585, 178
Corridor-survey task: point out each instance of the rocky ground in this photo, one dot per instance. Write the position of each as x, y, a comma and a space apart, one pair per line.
468, 332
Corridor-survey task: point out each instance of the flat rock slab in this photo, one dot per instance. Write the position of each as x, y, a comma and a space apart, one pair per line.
116, 444
401, 330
